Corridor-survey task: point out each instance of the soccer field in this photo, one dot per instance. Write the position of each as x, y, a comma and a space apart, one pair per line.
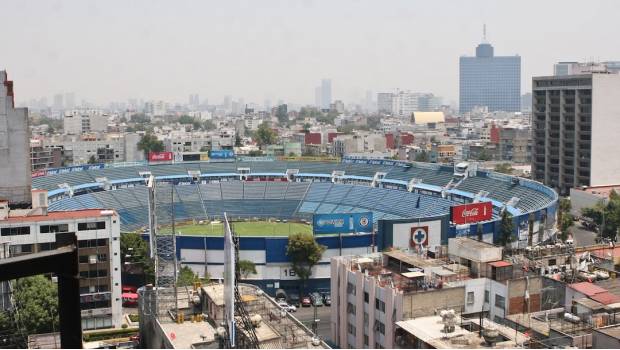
241, 228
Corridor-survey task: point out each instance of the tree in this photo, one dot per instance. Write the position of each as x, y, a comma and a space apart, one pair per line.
264, 135
255, 153
135, 251
422, 157
204, 149
208, 125
304, 253
149, 143
246, 268
37, 301
186, 119
506, 229
484, 155
238, 141
186, 277
504, 168
92, 160
565, 219
606, 216
139, 119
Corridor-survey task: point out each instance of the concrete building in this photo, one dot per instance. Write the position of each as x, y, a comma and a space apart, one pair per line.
77, 122
15, 176
515, 144
384, 102
575, 122
358, 143
105, 148
575, 68
98, 233
489, 80
44, 157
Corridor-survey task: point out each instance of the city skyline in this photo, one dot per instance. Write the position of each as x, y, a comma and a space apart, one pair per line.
280, 50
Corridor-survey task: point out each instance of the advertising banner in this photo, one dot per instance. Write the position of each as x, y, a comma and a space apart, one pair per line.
342, 223
221, 154
419, 237
472, 213
160, 156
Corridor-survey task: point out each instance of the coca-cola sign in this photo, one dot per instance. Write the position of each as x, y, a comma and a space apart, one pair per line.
160, 156
472, 213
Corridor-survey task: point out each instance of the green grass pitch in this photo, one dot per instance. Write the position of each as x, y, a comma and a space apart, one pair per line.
241, 228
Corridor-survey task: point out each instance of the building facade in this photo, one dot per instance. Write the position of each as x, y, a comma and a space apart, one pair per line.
98, 233
575, 121
491, 81
78, 122
15, 177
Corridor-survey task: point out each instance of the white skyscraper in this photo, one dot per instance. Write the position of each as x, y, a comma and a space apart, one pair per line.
326, 93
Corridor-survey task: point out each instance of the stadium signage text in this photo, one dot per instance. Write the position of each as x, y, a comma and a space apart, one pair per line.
472, 213
342, 223
160, 156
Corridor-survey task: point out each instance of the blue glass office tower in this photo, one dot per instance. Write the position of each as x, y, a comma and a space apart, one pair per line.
488, 80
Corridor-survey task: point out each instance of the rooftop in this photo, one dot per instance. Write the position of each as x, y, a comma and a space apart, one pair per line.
587, 288
612, 331
60, 215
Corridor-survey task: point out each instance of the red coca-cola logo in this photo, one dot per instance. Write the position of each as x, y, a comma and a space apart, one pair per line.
469, 213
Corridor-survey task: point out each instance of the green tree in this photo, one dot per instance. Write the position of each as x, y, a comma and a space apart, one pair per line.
606, 216
186, 277
504, 168
265, 135
565, 219
204, 149
92, 160
246, 268
238, 141
484, 155
135, 250
186, 119
255, 153
37, 301
304, 252
506, 229
150, 143
422, 157
140, 119
208, 125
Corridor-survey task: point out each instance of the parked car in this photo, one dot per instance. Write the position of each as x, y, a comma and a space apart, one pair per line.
287, 307
293, 299
327, 299
317, 299
306, 302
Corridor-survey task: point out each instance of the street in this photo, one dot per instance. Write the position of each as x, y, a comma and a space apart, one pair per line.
306, 316
582, 236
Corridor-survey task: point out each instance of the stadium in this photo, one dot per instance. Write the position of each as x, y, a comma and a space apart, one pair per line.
413, 206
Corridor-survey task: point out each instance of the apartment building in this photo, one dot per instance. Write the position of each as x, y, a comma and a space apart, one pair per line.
80, 121
33, 230
358, 143
575, 123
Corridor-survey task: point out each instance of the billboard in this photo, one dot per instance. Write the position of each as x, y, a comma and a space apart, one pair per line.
342, 223
160, 156
418, 237
39, 173
221, 154
471, 213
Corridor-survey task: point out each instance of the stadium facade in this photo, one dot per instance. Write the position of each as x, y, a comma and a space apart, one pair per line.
411, 204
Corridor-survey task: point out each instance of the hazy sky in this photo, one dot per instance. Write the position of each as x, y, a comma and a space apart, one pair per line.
115, 50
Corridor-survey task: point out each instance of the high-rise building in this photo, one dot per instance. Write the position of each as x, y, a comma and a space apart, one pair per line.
384, 102
58, 102
69, 100
489, 80
317, 97
15, 175
194, 100
77, 122
575, 125
326, 93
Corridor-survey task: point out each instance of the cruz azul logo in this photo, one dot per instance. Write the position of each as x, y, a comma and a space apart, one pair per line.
419, 236
364, 221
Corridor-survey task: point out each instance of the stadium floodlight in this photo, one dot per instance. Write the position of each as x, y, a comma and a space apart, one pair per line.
229, 282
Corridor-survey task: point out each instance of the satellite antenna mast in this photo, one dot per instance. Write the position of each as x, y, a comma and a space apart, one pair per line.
484, 32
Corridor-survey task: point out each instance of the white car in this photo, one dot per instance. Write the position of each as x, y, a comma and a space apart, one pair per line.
287, 307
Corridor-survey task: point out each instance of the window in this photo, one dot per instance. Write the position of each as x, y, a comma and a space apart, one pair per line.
350, 288
86, 226
15, 231
470, 298
365, 340
500, 302
351, 329
486, 296
351, 308
54, 228
92, 243
379, 305
380, 326
366, 297
365, 318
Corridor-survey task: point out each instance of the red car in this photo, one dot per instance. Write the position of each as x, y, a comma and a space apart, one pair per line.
129, 289
306, 302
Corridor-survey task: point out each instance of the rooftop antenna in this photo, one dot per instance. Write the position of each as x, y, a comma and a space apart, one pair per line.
484, 32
